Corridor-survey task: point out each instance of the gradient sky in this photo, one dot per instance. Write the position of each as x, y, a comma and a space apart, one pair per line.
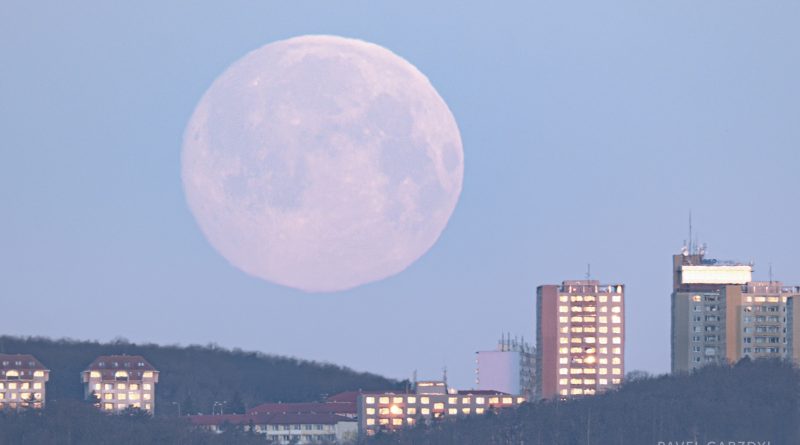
590, 130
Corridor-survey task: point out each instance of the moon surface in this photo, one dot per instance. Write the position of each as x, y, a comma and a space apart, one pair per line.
322, 163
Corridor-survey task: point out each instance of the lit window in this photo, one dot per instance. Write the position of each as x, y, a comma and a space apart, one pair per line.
603, 361
589, 319
589, 360
384, 400
575, 381
616, 298
603, 371
121, 386
134, 396
616, 371
576, 371
562, 340
480, 400
520, 399
452, 400
370, 421
466, 400
604, 309
563, 360
589, 340
411, 410
108, 406
438, 406
108, 386
508, 400
465, 410
576, 340
604, 350
383, 411
122, 396
452, 411
563, 298
564, 392
576, 319
94, 374
425, 411
615, 361
603, 298
38, 373
562, 381
603, 340
148, 374
603, 319
479, 410
147, 406
563, 319
565, 329
616, 309
146, 386
25, 385
121, 406
617, 350
371, 411
563, 309
617, 340
616, 319
397, 422
616, 330
576, 391
589, 381
424, 400
604, 381
370, 400
494, 400
397, 400
396, 410
576, 350
383, 421
108, 396
146, 396
412, 399
563, 371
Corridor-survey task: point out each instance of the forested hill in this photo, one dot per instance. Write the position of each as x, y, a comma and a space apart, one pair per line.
750, 402
198, 376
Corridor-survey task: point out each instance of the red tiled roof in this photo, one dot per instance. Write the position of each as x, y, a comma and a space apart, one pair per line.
124, 362
304, 408
346, 397
108, 365
269, 419
20, 361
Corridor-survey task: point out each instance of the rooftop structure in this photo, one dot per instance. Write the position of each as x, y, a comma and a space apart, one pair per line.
286, 428
508, 369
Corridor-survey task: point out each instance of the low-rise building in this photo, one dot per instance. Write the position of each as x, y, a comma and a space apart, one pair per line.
23, 381
119, 382
286, 428
390, 411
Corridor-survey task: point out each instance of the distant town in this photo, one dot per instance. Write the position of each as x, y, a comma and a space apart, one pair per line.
719, 316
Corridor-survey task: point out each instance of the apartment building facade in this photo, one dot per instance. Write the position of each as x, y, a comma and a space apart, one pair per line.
23, 382
580, 341
119, 382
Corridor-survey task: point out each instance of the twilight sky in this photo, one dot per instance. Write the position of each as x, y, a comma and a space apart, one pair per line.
590, 129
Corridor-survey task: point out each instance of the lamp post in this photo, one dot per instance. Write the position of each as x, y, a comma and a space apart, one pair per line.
178, 404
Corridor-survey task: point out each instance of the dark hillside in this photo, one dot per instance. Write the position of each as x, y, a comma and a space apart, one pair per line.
197, 376
751, 401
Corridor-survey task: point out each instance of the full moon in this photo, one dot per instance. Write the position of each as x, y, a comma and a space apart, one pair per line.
322, 163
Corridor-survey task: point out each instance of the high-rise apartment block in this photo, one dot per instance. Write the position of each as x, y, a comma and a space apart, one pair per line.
508, 369
580, 341
22, 381
720, 315
119, 382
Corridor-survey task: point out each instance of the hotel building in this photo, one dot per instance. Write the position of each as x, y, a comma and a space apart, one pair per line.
430, 400
720, 315
508, 369
23, 381
119, 382
580, 341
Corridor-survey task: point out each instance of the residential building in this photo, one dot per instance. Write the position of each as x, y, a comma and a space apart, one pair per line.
23, 381
508, 369
720, 315
390, 411
286, 428
119, 382
580, 341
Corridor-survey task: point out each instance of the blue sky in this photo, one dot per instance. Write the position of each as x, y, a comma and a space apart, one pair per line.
590, 130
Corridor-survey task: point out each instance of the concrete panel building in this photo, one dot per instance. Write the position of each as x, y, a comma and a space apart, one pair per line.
720, 315
508, 369
580, 338
390, 411
23, 382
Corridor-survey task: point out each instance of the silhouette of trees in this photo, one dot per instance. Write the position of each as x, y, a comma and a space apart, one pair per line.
750, 401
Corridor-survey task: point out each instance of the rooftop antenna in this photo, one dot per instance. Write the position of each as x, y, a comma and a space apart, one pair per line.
444, 375
691, 251
588, 272
770, 273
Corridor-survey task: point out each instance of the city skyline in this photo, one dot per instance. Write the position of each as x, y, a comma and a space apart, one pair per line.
589, 135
